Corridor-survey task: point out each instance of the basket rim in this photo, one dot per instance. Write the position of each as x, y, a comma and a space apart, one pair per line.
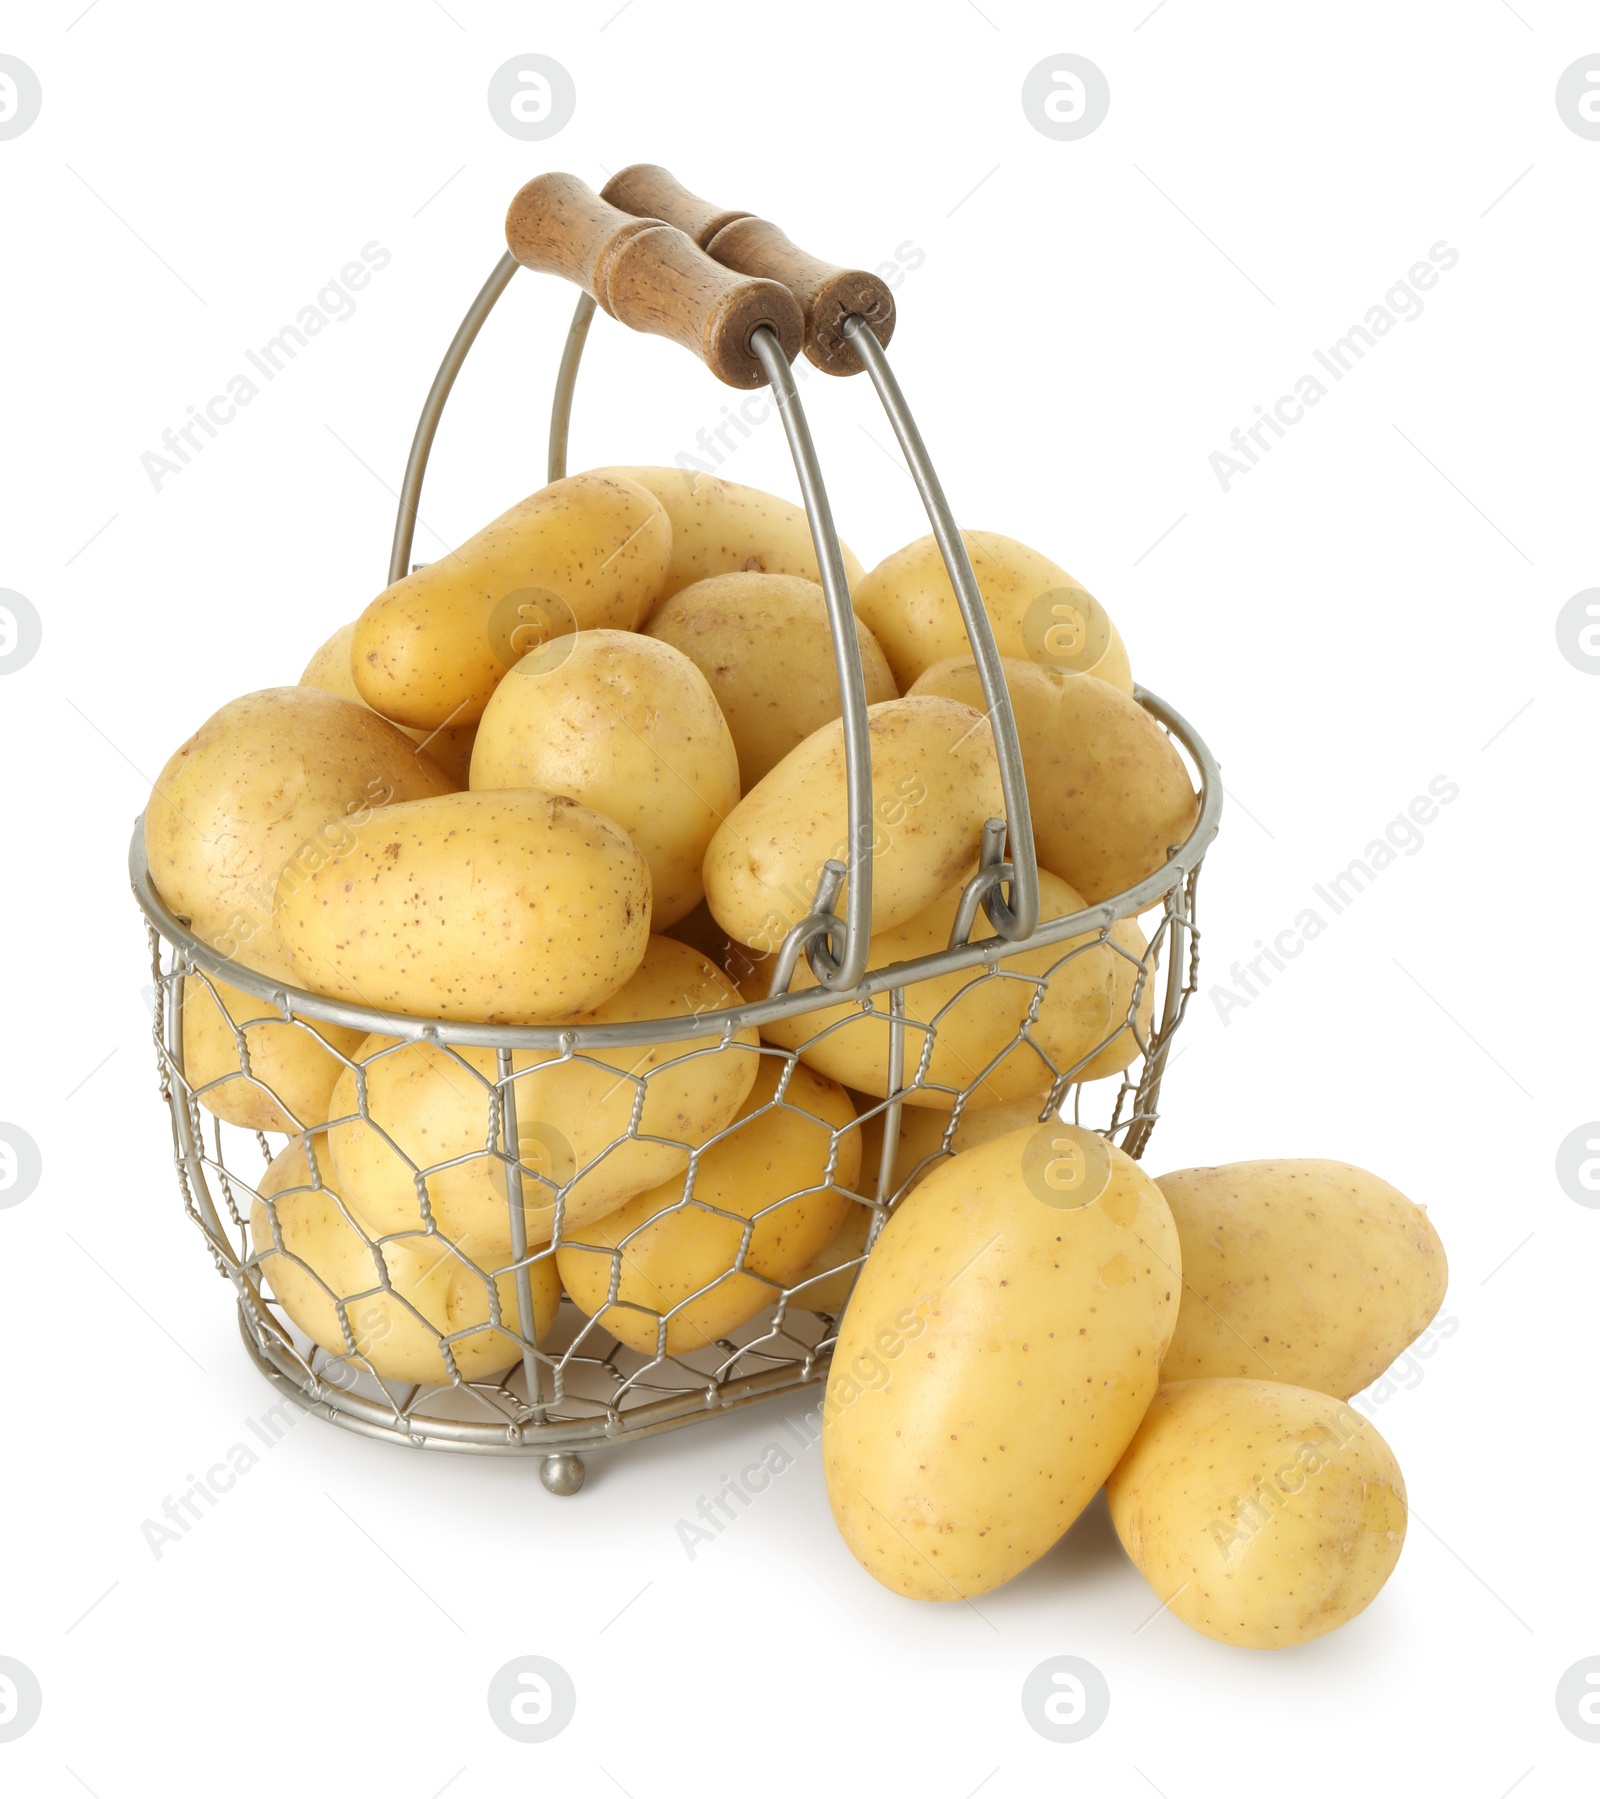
724, 1024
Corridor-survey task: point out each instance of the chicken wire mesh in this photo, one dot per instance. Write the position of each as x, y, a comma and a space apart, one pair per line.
498, 1249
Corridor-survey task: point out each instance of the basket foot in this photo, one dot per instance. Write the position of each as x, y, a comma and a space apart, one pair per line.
562, 1474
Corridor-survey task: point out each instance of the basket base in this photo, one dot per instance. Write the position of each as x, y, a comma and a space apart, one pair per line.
558, 1447
562, 1474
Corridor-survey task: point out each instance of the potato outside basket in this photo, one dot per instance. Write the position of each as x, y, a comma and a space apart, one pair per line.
736, 291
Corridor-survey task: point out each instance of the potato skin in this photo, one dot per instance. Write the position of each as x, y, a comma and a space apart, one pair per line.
1310, 1272
589, 552
272, 787
765, 645
719, 527
974, 1016
919, 1150
329, 668
286, 1058
1262, 1514
500, 908
673, 1260
935, 779
433, 1104
922, 1134
321, 1249
911, 607
629, 727
1108, 791
827, 1279
995, 1360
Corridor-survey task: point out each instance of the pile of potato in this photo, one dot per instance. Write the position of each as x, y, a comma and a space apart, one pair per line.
1039, 1318
588, 769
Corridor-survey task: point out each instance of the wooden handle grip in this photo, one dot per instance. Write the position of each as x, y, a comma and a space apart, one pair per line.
739, 240
827, 293
651, 276
649, 191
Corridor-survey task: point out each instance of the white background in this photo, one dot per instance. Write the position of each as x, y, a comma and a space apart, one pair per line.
1372, 607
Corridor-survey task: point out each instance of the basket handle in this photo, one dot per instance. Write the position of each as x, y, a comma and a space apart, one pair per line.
651, 276
754, 246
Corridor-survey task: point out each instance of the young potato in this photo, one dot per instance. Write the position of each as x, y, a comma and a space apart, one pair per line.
1039, 613
449, 745
272, 787
1261, 1514
830, 1274
586, 553
920, 1147
664, 1273
316, 1258
975, 1018
719, 528
629, 727
284, 1077
701, 931
501, 908
428, 1106
925, 1142
826, 1281
996, 1358
1309, 1272
935, 780
765, 644
1109, 793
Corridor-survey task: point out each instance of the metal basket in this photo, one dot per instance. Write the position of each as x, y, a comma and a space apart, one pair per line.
581, 1386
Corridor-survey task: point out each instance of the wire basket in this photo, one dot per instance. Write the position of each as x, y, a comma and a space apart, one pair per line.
503, 1165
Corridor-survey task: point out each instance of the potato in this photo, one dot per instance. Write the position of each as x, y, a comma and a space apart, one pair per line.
665, 1271
976, 1017
1261, 1514
1130, 959
271, 788
283, 1078
585, 553
927, 1141
996, 1358
1038, 612
432, 1105
765, 644
826, 1280
1309, 1272
828, 1277
501, 908
1109, 793
934, 782
701, 931
449, 745
316, 1257
719, 528
629, 727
